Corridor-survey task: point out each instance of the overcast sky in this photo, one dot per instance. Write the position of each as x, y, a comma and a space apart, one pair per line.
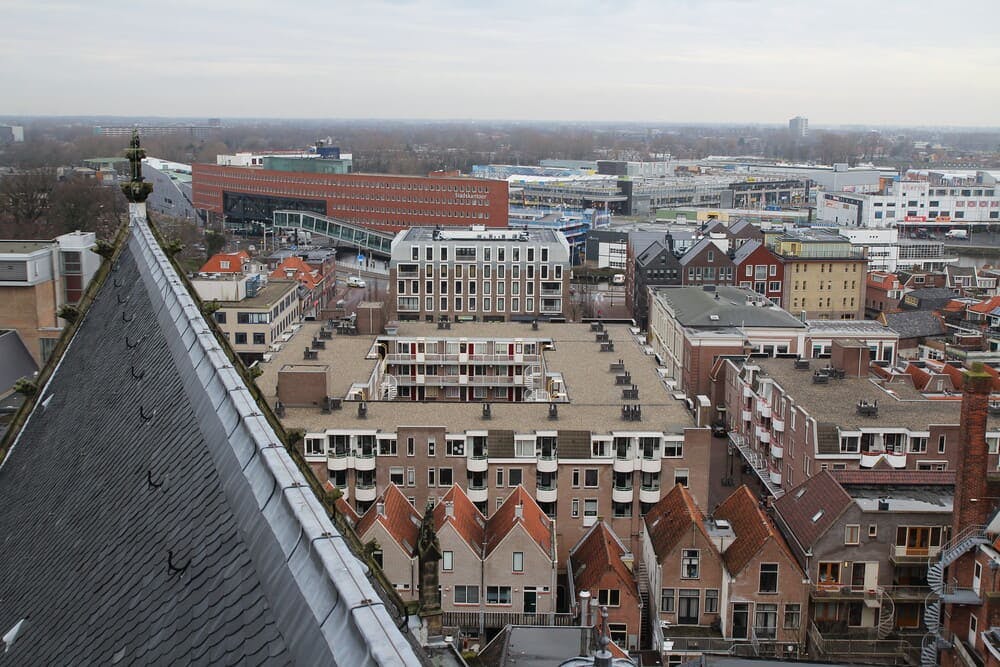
869, 62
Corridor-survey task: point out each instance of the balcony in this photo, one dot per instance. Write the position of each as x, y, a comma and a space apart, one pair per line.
746, 415
765, 437
775, 477
649, 494
652, 464
470, 620
338, 462
477, 463
478, 494
777, 451
364, 462
546, 493
836, 591
624, 464
904, 555
622, 494
547, 463
747, 392
365, 493
778, 424
765, 410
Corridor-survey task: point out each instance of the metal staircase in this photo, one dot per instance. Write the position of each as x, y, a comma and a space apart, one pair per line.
969, 538
886, 613
645, 628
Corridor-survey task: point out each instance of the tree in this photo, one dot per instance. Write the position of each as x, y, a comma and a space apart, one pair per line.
75, 205
26, 195
214, 243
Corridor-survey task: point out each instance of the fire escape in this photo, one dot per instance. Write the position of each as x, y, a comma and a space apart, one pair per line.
970, 538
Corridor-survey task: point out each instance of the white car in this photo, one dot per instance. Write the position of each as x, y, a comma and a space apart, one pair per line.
354, 281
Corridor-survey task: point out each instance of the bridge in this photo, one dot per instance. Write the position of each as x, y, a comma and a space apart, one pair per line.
346, 233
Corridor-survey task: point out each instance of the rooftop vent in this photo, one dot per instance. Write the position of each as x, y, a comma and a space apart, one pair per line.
801, 364
619, 366
534, 325
632, 413
444, 324
883, 504
630, 394
608, 346
714, 318
362, 410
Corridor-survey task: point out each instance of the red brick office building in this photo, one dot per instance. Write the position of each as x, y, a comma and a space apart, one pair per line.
380, 201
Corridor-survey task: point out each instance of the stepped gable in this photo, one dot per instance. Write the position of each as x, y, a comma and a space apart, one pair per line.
149, 514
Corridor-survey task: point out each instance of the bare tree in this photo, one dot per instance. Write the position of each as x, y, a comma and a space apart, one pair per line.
25, 196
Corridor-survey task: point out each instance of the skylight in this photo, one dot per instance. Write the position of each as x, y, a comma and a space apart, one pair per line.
817, 516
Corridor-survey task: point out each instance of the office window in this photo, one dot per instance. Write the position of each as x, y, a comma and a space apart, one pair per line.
852, 534
517, 561
241, 338
690, 564
447, 560
768, 582
667, 600
609, 597
258, 339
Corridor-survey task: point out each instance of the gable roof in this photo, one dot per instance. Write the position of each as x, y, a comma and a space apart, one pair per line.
895, 477
752, 527
295, 268
914, 323
701, 246
598, 552
235, 259
812, 507
466, 519
196, 538
671, 518
650, 253
746, 250
986, 306
399, 518
535, 522
745, 225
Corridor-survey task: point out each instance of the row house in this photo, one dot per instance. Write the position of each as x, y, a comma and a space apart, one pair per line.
788, 418
758, 269
865, 540
882, 293
708, 262
609, 448
492, 571
601, 565
656, 264
720, 580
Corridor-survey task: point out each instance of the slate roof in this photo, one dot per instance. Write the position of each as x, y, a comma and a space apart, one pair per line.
752, 527
929, 298
819, 495
15, 360
650, 253
399, 518
745, 251
149, 515
534, 521
694, 306
669, 519
915, 323
695, 251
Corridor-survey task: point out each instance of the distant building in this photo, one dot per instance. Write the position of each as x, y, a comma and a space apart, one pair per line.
37, 278
11, 134
172, 193
490, 275
197, 131
799, 127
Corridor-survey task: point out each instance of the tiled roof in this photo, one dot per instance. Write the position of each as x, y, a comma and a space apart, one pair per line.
812, 507
532, 518
596, 553
706, 243
466, 519
898, 477
752, 527
399, 518
191, 536
914, 323
954, 306
669, 519
986, 306
345, 508
235, 259
299, 270
746, 250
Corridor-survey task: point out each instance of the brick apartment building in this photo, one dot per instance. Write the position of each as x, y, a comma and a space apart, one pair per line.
479, 274
708, 262
760, 270
243, 195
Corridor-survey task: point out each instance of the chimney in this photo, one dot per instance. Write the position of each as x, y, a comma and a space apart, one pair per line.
380, 508
449, 509
972, 503
585, 622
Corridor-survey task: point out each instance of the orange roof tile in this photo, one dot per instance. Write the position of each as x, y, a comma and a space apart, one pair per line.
986, 306
533, 519
954, 306
295, 268
467, 520
671, 518
596, 553
345, 508
235, 259
399, 518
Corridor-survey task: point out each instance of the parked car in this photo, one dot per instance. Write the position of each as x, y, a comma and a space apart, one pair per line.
354, 281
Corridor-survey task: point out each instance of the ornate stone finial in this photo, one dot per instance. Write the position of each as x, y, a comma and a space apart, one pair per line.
136, 190
429, 553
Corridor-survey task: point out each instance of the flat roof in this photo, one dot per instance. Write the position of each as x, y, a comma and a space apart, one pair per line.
485, 235
899, 405
269, 295
908, 498
594, 398
24, 247
723, 306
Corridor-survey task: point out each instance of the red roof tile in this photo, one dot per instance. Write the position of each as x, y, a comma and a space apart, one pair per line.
345, 508
811, 507
752, 527
596, 553
466, 519
235, 259
294, 268
954, 306
669, 519
986, 306
532, 518
880, 477
399, 518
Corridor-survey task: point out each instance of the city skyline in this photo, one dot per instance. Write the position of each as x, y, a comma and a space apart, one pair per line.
717, 62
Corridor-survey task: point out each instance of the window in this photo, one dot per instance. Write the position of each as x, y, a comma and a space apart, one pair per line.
793, 616
396, 476
575, 508
712, 601
829, 573
499, 477
941, 443
410, 447
590, 507
448, 560
619, 633
576, 478
220, 316
498, 595
590, 478
314, 446
766, 621
445, 477
768, 578
872, 530
667, 600
432, 477
690, 564
454, 447
517, 564
673, 448
411, 476
918, 445
241, 338
514, 477
852, 534
687, 606
681, 477
431, 447
258, 339
466, 594
609, 597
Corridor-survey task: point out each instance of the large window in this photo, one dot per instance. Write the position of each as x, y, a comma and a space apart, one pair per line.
766, 621
768, 578
829, 573
712, 601
466, 594
619, 634
690, 564
498, 595
687, 606
517, 561
667, 600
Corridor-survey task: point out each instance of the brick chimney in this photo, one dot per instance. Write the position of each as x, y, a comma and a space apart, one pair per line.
971, 452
